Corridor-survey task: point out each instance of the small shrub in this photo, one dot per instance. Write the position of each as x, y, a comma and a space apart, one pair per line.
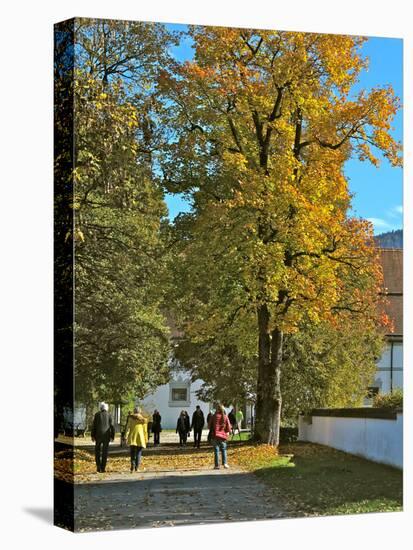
392, 400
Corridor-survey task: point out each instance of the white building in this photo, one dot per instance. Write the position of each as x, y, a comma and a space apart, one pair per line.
170, 399
389, 375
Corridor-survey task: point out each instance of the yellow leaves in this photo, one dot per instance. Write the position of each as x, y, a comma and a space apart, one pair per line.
82, 466
198, 72
276, 198
76, 175
78, 235
251, 228
365, 153
237, 161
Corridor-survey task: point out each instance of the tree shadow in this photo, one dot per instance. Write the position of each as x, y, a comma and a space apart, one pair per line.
322, 480
173, 500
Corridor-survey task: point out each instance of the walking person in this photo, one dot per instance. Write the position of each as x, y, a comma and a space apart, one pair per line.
137, 437
232, 420
209, 416
197, 424
220, 427
156, 427
183, 427
239, 417
102, 433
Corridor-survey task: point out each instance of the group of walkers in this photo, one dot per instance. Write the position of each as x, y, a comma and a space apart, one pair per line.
184, 427
136, 432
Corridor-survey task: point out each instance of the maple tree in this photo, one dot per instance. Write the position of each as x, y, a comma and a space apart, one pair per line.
262, 124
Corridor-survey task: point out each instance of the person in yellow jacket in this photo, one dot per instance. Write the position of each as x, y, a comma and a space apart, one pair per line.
136, 435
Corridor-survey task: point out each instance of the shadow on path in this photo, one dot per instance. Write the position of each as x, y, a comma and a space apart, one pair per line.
154, 500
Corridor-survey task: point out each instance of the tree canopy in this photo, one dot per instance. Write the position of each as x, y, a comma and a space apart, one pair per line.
275, 286
121, 335
264, 122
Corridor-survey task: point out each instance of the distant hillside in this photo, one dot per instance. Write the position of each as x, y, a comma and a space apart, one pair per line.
391, 239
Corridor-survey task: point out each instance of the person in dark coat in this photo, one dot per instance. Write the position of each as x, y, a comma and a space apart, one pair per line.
102, 433
149, 429
183, 427
232, 420
198, 421
156, 427
209, 416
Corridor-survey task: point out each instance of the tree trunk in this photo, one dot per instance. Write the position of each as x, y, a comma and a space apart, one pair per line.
268, 407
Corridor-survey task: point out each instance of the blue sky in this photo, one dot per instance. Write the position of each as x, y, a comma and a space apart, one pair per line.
377, 192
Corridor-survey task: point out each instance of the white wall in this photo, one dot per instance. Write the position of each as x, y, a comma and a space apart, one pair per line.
376, 439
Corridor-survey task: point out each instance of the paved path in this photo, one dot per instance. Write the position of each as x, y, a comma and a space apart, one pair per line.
168, 440
166, 437
124, 501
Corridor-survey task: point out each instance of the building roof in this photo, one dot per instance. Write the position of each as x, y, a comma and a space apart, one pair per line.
392, 265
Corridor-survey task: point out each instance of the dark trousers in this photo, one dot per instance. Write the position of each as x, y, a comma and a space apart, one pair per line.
156, 438
101, 453
135, 456
183, 436
197, 437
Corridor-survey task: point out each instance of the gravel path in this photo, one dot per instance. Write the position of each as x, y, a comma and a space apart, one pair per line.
172, 498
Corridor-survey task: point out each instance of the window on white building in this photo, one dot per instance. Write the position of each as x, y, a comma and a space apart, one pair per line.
179, 394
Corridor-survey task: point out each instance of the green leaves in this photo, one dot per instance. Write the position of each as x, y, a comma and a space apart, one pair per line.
121, 336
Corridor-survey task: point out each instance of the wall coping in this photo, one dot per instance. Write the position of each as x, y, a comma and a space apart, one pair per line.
358, 412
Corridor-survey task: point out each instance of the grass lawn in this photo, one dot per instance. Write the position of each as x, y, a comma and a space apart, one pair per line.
245, 436
316, 480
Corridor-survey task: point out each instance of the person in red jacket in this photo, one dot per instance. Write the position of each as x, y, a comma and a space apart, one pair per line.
220, 428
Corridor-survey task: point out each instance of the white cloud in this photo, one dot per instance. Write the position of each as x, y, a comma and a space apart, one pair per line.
396, 211
379, 223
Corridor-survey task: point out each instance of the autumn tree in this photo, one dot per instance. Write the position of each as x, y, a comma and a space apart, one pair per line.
121, 335
324, 364
263, 122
